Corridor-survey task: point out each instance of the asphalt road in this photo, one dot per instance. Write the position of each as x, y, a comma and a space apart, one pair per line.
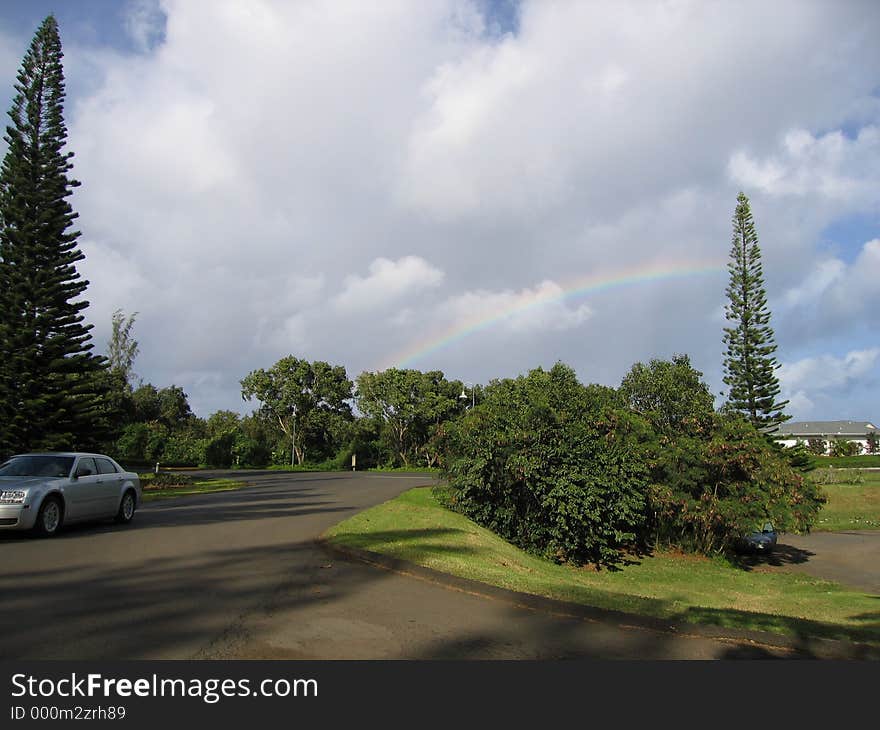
851, 557
239, 575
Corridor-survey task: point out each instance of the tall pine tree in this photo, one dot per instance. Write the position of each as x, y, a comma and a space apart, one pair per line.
749, 364
49, 379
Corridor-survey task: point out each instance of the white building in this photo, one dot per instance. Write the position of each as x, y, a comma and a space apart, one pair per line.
789, 434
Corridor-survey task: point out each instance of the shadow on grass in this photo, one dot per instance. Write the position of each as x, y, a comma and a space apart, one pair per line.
801, 629
420, 545
408, 545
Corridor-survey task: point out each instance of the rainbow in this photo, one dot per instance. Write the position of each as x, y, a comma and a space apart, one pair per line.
580, 287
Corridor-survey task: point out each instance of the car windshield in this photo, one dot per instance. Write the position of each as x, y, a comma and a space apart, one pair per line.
37, 466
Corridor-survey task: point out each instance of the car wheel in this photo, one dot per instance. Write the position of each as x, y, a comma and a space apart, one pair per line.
126, 508
49, 517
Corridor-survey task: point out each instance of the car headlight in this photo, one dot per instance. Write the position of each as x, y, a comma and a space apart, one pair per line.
12, 496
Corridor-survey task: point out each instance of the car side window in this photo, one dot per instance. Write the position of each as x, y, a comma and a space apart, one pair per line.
105, 466
85, 467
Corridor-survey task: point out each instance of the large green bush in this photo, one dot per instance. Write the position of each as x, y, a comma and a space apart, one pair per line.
184, 449
669, 393
711, 486
142, 442
543, 463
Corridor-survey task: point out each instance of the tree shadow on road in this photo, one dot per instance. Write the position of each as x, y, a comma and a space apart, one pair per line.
781, 556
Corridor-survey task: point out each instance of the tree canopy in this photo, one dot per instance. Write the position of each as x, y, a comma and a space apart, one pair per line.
411, 405
548, 466
50, 382
301, 397
122, 349
749, 364
669, 393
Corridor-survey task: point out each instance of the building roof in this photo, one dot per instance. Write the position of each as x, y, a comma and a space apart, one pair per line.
826, 428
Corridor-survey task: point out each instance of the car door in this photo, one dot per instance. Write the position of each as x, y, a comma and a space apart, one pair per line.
111, 486
83, 495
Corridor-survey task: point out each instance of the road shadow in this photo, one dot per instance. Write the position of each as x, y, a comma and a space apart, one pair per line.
661, 619
147, 607
267, 501
781, 556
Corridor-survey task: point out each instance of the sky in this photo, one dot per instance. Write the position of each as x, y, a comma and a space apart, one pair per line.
476, 186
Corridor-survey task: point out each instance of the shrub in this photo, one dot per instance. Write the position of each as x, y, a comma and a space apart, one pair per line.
817, 446
838, 476
142, 442
538, 463
846, 448
165, 479
712, 487
669, 393
219, 450
183, 449
798, 456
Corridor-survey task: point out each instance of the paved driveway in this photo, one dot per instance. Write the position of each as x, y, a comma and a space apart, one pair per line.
239, 575
851, 558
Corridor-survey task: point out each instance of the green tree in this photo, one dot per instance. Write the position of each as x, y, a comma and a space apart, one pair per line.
411, 404
174, 410
817, 446
50, 383
552, 469
122, 348
841, 447
254, 448
723, 480
146, 406
749, 364
224, 433
297, 394
669, 393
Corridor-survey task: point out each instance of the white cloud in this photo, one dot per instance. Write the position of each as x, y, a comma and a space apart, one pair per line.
827, 372
799, 404
11, 50
338, 180
831, 387
836, 297
828, 166
589, 101
825, 275
528, 310
387, 282
144, 23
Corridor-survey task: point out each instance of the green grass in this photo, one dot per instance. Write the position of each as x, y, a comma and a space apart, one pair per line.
410, 469
847, 462
304, 467
328, 466
415, 527
203, 486
853, 500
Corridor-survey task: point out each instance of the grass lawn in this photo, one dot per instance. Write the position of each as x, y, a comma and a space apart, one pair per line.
196, 487
853, 500
847, 462
415, 527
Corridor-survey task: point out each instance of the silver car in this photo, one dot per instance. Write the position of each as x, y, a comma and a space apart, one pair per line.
43, 491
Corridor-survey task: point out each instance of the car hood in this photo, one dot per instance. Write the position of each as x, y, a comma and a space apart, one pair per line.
25, 482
